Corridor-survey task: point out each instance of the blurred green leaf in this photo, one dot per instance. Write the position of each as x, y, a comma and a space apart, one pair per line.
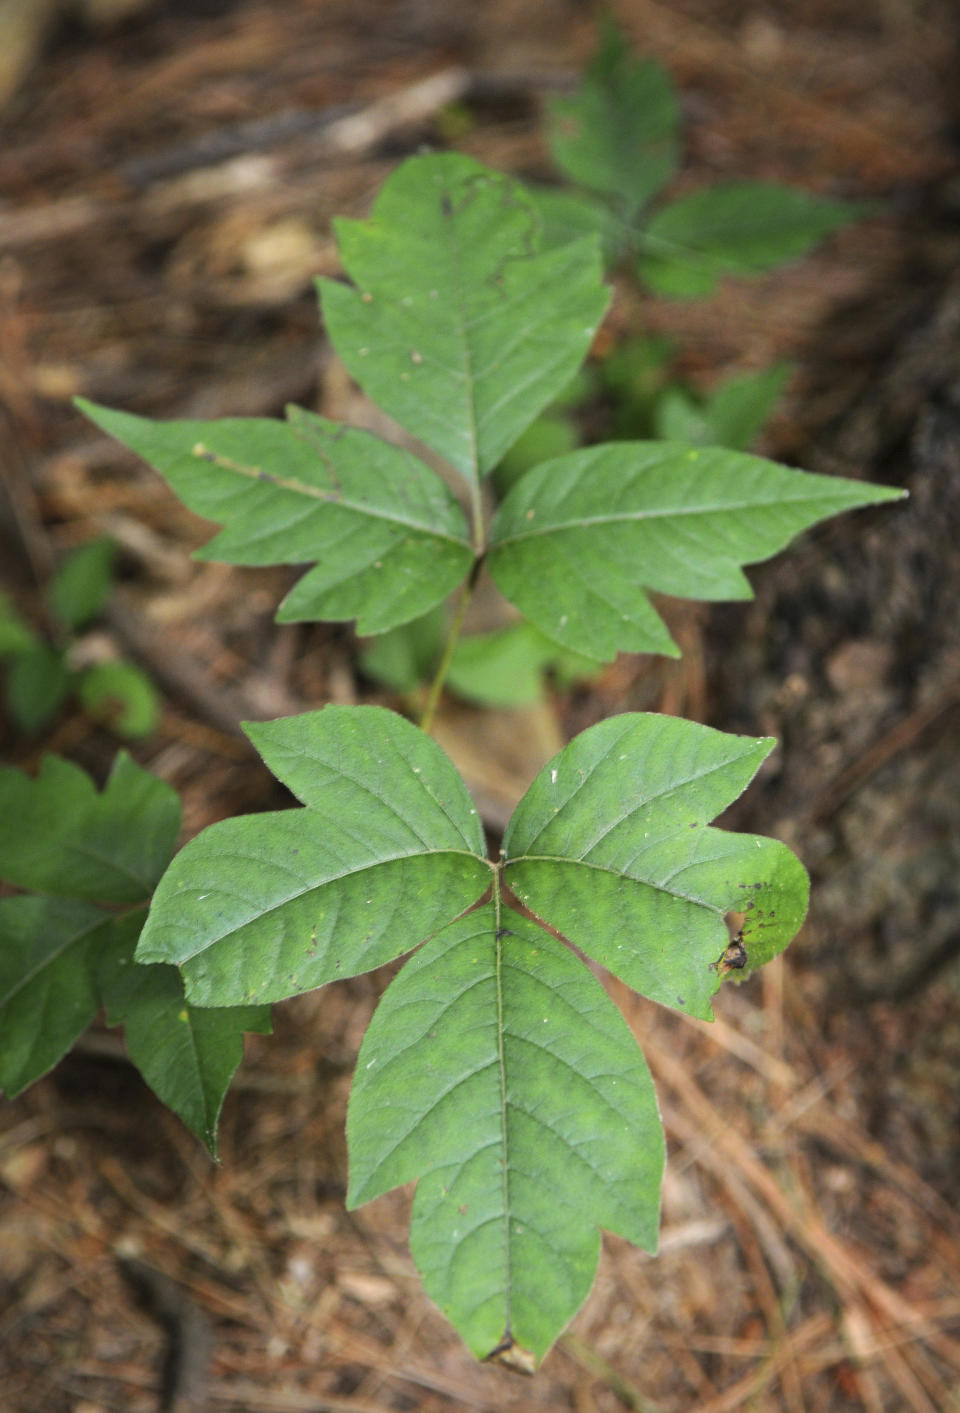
738, 408
406, 656
739, 228
16, 636
503, 668
678, 417
618, 135
566, 216
37, 685
82, 582
549, 436
121, 696
731, 416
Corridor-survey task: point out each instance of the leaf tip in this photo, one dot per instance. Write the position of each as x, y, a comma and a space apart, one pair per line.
512, 1356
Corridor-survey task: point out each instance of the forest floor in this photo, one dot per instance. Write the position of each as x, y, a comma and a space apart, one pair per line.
166, 189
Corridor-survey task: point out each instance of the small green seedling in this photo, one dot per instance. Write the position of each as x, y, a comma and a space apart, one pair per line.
496, 1070
617, 141
41, 675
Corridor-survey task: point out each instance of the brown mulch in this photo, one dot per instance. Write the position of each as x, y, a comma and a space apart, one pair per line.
166, 187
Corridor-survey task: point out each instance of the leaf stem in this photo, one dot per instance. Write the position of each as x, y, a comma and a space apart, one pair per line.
502, 1067
453, 637
476, 516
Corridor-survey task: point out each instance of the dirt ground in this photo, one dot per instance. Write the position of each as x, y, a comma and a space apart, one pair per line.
166, 187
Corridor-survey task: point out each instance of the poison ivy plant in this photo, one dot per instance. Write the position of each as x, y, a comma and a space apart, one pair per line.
463, 330
496, 1070
617, 139
66, 948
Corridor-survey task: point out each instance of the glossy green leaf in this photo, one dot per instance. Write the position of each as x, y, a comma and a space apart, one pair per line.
611, 846
387, 850
48, 995
187, 1055
454, 324
59, 835
739, 228
389, 539
497, 1071
578, 539
618, 134
81, 584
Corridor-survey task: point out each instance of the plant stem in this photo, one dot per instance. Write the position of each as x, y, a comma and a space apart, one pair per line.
453, 637
476, 518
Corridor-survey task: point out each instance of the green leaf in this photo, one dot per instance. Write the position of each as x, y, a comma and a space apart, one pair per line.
390, 539
120, 695
388, 849
58, 835
679, 417
503, 668
37, 685
81, 584
609, 846
567, 216
497, 1071
731, 416
187, 1056
405, 657
738, 408
16, 636
47, 992
739, 228
577, 539
618, 134
638, 367
549, 436
455, 325
636, 372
